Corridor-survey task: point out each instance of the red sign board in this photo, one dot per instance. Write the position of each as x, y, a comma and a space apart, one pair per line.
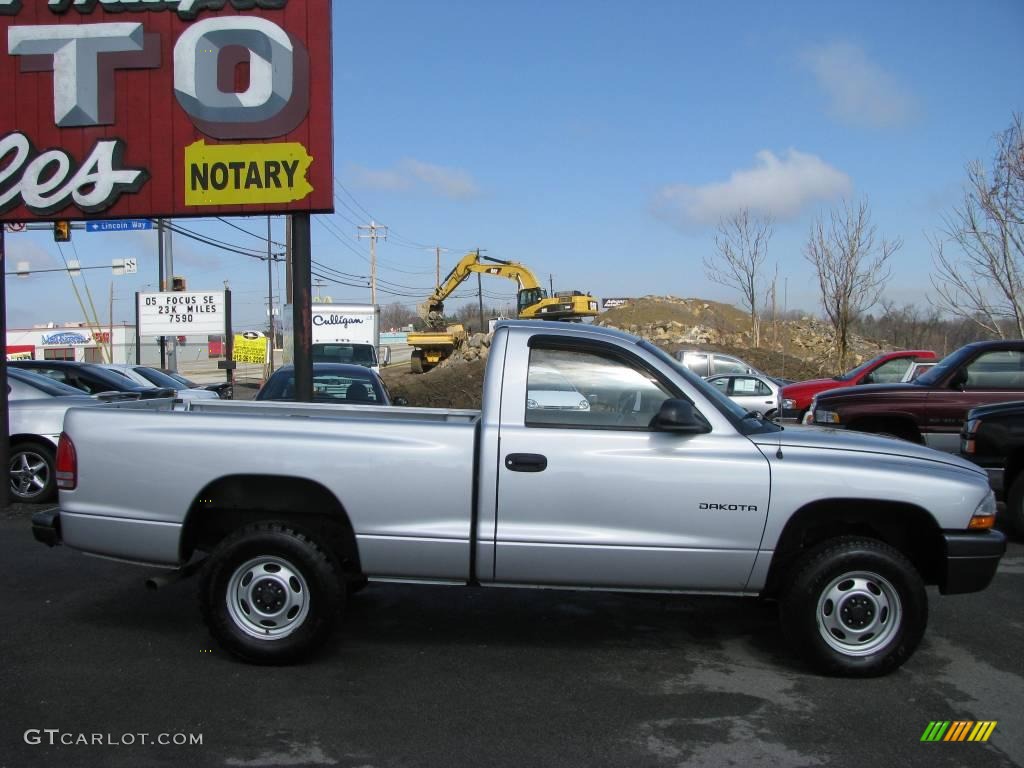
164, 108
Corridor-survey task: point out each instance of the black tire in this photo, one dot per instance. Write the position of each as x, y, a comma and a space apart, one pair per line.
416, 361
770, 415
848, 581
284, 572
32, 472
1015, 507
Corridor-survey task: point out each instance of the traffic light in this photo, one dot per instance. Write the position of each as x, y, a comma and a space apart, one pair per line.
178, 283
62, 231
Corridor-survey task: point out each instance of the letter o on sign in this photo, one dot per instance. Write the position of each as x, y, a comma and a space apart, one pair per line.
271, 105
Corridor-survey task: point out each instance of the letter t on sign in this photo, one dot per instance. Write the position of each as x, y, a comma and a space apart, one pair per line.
83, 88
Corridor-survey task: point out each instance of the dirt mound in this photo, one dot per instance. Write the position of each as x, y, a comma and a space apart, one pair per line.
459, 384
793, 349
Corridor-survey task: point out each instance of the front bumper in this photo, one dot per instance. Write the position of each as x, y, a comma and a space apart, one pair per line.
971, 560
46, 527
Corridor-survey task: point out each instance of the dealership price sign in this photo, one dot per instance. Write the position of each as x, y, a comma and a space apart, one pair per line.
121, 109
181, 313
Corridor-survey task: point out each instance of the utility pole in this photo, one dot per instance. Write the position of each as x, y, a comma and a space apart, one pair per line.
551, 284
270, 299
437, 273
373, 228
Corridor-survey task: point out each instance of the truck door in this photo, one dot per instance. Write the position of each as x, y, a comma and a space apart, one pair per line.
994, 376
589, 495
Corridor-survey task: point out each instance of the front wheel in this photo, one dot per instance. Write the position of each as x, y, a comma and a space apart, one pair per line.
270, 594
854, 607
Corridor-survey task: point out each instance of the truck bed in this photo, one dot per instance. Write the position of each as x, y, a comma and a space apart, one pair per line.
403, 524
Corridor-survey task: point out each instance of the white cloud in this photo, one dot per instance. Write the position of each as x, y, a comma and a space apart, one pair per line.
453, 183
860, 92
388, 181
780, 186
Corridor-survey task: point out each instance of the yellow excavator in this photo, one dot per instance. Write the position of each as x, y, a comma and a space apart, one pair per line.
532, 302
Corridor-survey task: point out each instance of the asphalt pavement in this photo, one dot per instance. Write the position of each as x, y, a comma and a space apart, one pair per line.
96, 671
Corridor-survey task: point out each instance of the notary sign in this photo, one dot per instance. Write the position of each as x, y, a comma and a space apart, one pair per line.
120, 109
180, 313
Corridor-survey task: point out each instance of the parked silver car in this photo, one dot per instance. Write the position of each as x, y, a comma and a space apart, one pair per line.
753, 391
151, 377
36, 411
706, 364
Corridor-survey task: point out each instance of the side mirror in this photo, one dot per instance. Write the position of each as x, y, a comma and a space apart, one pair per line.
400, 401
868, 379
958, 380
680, 417
384, 355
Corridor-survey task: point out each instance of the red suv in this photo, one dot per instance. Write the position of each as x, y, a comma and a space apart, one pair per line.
885, 369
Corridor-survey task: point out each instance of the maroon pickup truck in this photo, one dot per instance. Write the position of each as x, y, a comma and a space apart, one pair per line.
932, 408
887, 367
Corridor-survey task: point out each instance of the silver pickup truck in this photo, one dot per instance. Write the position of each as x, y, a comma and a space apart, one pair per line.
650, 480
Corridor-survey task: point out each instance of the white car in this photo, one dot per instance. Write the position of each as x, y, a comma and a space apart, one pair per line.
547, 388
753, 391
155, 378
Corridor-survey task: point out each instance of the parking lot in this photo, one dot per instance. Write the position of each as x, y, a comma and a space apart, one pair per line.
442, 676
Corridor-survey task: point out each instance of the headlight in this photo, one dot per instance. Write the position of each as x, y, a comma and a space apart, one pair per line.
531, 403
584, 405
788, 404
985, 515
826, 417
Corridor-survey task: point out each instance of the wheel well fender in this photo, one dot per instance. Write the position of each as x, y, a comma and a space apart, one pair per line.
21, 439
231, 502
907, 527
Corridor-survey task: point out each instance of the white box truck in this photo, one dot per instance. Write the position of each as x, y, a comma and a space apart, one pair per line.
342, 333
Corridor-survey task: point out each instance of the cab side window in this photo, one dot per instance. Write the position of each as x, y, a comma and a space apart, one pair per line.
575, 388
998, 369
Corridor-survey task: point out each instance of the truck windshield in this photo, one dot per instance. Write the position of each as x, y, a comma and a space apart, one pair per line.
356, 354
855, 372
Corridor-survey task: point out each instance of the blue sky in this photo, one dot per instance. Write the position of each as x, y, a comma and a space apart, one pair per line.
600, 142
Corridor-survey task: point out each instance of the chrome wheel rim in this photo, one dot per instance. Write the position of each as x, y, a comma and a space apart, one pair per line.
268, 598
859, 613
30, 474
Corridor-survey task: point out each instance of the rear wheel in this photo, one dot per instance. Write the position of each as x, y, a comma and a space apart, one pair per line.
32, 472
1015, 506
854, 607
270, 594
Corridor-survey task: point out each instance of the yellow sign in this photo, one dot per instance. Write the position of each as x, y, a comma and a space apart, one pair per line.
245, 174
249, 350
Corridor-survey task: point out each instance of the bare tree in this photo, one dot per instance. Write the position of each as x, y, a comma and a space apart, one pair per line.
851, 263
742, 246
984, 282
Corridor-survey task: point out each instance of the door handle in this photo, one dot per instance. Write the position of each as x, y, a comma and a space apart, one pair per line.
526, 462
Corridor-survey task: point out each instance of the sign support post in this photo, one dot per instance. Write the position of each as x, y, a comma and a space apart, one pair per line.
4, 416
302, 307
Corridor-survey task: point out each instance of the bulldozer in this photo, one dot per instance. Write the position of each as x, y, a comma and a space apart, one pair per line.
532, 302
